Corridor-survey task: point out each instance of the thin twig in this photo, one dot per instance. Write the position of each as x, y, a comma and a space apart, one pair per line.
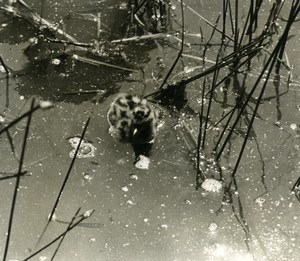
63, 237
96, 62
197, 58
142, 37
204, 19
66, 42
84, 216
4, 176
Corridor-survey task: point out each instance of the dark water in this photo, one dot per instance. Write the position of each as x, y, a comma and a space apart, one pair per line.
153, 214
74, 80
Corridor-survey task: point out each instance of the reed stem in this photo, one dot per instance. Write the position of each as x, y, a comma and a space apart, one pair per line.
17, 185
82, 218
181, 48
63, 237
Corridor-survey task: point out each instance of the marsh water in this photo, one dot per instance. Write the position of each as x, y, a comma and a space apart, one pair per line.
153, 214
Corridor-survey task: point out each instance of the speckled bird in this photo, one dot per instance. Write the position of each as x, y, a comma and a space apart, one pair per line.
132, 119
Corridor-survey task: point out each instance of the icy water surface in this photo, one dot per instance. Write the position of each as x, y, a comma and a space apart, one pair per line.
153, 214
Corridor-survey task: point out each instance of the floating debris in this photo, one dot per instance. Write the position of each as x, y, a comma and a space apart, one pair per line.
133, 176
55, 61
87, 176
293, 126
213, 227
92, 240
130, 202
53, 218
86, 149
125, 189
88, 213
260, 201
212, 185
2, 69
188, 202
46, 104
143, 162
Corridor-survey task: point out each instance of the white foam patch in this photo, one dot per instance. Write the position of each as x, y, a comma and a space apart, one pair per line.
86, 150
211, 185
143, 162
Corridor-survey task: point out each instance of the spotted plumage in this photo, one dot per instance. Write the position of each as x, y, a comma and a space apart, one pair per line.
132, 119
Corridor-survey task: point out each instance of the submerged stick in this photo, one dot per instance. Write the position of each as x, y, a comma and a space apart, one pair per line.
17, 185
